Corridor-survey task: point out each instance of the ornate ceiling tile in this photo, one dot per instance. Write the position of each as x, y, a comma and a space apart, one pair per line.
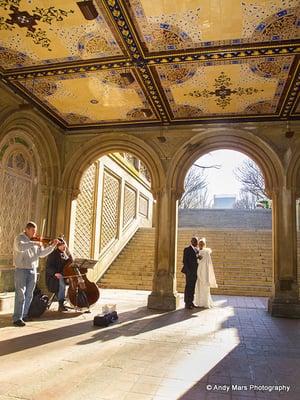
183, 25
100, 97
145, 61
34, 35
226, 88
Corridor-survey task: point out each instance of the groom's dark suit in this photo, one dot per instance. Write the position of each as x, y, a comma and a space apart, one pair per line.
190, 266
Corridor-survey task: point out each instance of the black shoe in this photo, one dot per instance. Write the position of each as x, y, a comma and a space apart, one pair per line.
62, 308
189, 306
19, 322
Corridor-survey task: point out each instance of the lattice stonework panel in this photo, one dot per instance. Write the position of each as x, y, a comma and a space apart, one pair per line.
143, 206
129, 205
85, 214
15, 204
110, 209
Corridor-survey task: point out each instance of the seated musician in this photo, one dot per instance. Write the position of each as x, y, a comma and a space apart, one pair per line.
54, 272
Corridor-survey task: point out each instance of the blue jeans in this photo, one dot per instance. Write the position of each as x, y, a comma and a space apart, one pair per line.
61, 290
25, 280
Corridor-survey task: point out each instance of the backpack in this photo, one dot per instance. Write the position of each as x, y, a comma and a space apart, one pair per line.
38, 304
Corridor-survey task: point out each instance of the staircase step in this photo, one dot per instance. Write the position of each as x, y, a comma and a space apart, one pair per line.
244, 268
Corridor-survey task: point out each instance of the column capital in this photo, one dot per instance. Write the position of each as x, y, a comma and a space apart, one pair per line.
177, 192
73, 192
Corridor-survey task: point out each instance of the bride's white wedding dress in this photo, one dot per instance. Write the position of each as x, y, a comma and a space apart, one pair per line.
205, 280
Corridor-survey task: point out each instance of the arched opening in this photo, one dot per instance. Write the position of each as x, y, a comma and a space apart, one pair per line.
115, 207
109, 199
245, 143
225, 202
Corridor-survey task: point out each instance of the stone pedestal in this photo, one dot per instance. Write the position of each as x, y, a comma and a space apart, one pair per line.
164, 302
284, 308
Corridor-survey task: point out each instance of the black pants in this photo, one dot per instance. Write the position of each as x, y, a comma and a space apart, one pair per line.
189, 291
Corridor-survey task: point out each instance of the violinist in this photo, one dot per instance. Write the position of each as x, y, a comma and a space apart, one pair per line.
54, 272
26, 253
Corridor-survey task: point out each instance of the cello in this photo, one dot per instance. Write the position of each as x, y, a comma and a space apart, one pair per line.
81, 292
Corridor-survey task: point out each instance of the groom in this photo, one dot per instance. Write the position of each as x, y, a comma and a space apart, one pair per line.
190, 266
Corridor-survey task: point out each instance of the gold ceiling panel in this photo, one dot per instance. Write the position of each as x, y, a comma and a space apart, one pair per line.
46, 32
165, 25
212, 89
114, 62
102, 97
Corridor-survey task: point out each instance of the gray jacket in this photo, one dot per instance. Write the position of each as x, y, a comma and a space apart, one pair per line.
26, 253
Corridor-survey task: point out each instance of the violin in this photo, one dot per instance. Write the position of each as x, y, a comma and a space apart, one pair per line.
81, 292
42, 239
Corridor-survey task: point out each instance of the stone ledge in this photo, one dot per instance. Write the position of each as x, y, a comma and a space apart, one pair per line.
7, 300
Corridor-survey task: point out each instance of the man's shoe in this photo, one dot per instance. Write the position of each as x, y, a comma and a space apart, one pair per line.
19, 322
189, 306
62, 308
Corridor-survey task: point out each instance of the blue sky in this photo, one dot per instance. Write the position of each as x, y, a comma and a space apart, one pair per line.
222, 181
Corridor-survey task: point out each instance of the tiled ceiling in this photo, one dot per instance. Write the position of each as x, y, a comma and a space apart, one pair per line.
129, 62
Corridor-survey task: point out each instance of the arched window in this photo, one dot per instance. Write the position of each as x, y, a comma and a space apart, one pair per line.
18, 183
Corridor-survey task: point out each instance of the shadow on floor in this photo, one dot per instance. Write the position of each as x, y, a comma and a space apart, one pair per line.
134, 323
257, 365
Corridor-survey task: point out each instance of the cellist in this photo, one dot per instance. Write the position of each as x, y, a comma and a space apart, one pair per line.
54, 272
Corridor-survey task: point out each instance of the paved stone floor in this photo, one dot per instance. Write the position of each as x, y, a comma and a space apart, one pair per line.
184, 354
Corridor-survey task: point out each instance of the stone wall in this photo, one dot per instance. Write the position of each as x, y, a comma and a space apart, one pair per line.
225, 218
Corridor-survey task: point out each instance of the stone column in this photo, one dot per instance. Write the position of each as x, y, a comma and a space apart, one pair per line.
285, 298
164, 295
48, 209
64, 205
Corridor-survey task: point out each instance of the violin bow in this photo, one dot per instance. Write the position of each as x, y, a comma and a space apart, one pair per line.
43, 228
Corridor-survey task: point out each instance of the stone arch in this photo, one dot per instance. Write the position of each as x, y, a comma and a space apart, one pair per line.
37, 133
239, 140
33, 130
265, 157
109, 143
90, 152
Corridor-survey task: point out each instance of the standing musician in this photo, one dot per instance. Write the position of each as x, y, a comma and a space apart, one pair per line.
26, 252
54, 272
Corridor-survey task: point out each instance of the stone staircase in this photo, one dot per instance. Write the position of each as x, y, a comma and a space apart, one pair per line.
242, 261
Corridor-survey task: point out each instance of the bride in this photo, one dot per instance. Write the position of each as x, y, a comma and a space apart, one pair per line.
205, 277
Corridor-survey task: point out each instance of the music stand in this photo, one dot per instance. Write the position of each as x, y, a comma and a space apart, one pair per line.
85, 263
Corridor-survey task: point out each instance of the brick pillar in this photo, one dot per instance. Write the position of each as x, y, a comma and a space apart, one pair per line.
285, 299
164, 295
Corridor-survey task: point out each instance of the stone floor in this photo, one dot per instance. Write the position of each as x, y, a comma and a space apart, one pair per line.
184, 354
